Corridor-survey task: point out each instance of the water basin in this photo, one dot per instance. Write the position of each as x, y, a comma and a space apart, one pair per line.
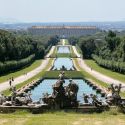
66, 62
46, 87
63, 49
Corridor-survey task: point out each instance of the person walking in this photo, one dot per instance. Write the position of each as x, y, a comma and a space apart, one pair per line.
12, 79
10, 83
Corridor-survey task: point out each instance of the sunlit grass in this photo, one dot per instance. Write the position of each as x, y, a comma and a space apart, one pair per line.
68, 74
62, 118
15, 74
114, 75
36, 77
94, 79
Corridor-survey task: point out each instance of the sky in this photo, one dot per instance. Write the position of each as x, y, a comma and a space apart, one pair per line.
62, 10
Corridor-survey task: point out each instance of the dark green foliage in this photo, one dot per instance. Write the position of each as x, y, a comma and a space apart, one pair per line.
14, 65
40, 52
112, 54
110, 64
73, 40
15, 47
108, 49
87, 46
112, 41
18, 50
53, 40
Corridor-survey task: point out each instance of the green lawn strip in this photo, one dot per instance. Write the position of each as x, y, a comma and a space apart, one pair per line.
88, 76
66, 42
38, 76
61, 42
63, 118
53, 55
68, 74
63, 55
73, 53
122, 94
114, 75
15, 74
78, 49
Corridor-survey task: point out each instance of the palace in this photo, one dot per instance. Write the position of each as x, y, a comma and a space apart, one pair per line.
63, 31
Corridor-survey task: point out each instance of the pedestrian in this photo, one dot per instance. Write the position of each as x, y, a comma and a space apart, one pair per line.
12, 79
10, 83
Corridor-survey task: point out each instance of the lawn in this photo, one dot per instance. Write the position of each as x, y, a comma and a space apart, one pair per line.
64, 55
15, 74
38, 76
61, 42
86, 75
66, 42
78, 49
73, 53
68, 74
62, 118
53, 55
104, 71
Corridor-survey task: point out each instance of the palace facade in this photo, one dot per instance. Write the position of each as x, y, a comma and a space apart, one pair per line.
63, 31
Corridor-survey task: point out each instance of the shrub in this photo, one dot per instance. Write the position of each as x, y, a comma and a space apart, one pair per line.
110, 64
14, 65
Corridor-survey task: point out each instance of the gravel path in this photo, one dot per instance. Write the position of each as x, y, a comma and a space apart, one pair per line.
25, 77
50, 52
94, 73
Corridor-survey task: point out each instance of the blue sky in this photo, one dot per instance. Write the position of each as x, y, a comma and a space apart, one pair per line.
62, 10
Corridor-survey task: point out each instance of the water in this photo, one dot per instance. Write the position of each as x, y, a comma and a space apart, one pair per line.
66, 62
46, 87
63, 49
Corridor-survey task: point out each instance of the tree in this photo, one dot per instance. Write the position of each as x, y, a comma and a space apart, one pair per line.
87, 46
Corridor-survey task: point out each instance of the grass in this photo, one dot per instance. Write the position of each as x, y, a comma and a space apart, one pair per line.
73, 53
88, 76
54, 53
68, 74
15, 74
94, 79
66, 42
63, 55
78, 49
62, 118
114, 75
23, 117
39, 75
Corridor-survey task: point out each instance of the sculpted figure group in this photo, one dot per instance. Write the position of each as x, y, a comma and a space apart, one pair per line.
62, 96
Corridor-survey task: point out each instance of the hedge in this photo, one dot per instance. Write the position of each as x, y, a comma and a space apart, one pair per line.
14, 65
110, 64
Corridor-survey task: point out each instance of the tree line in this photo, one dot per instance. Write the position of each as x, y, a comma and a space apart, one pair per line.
18, 50
108, 50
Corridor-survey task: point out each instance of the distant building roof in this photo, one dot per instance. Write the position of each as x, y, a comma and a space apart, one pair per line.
64, 27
